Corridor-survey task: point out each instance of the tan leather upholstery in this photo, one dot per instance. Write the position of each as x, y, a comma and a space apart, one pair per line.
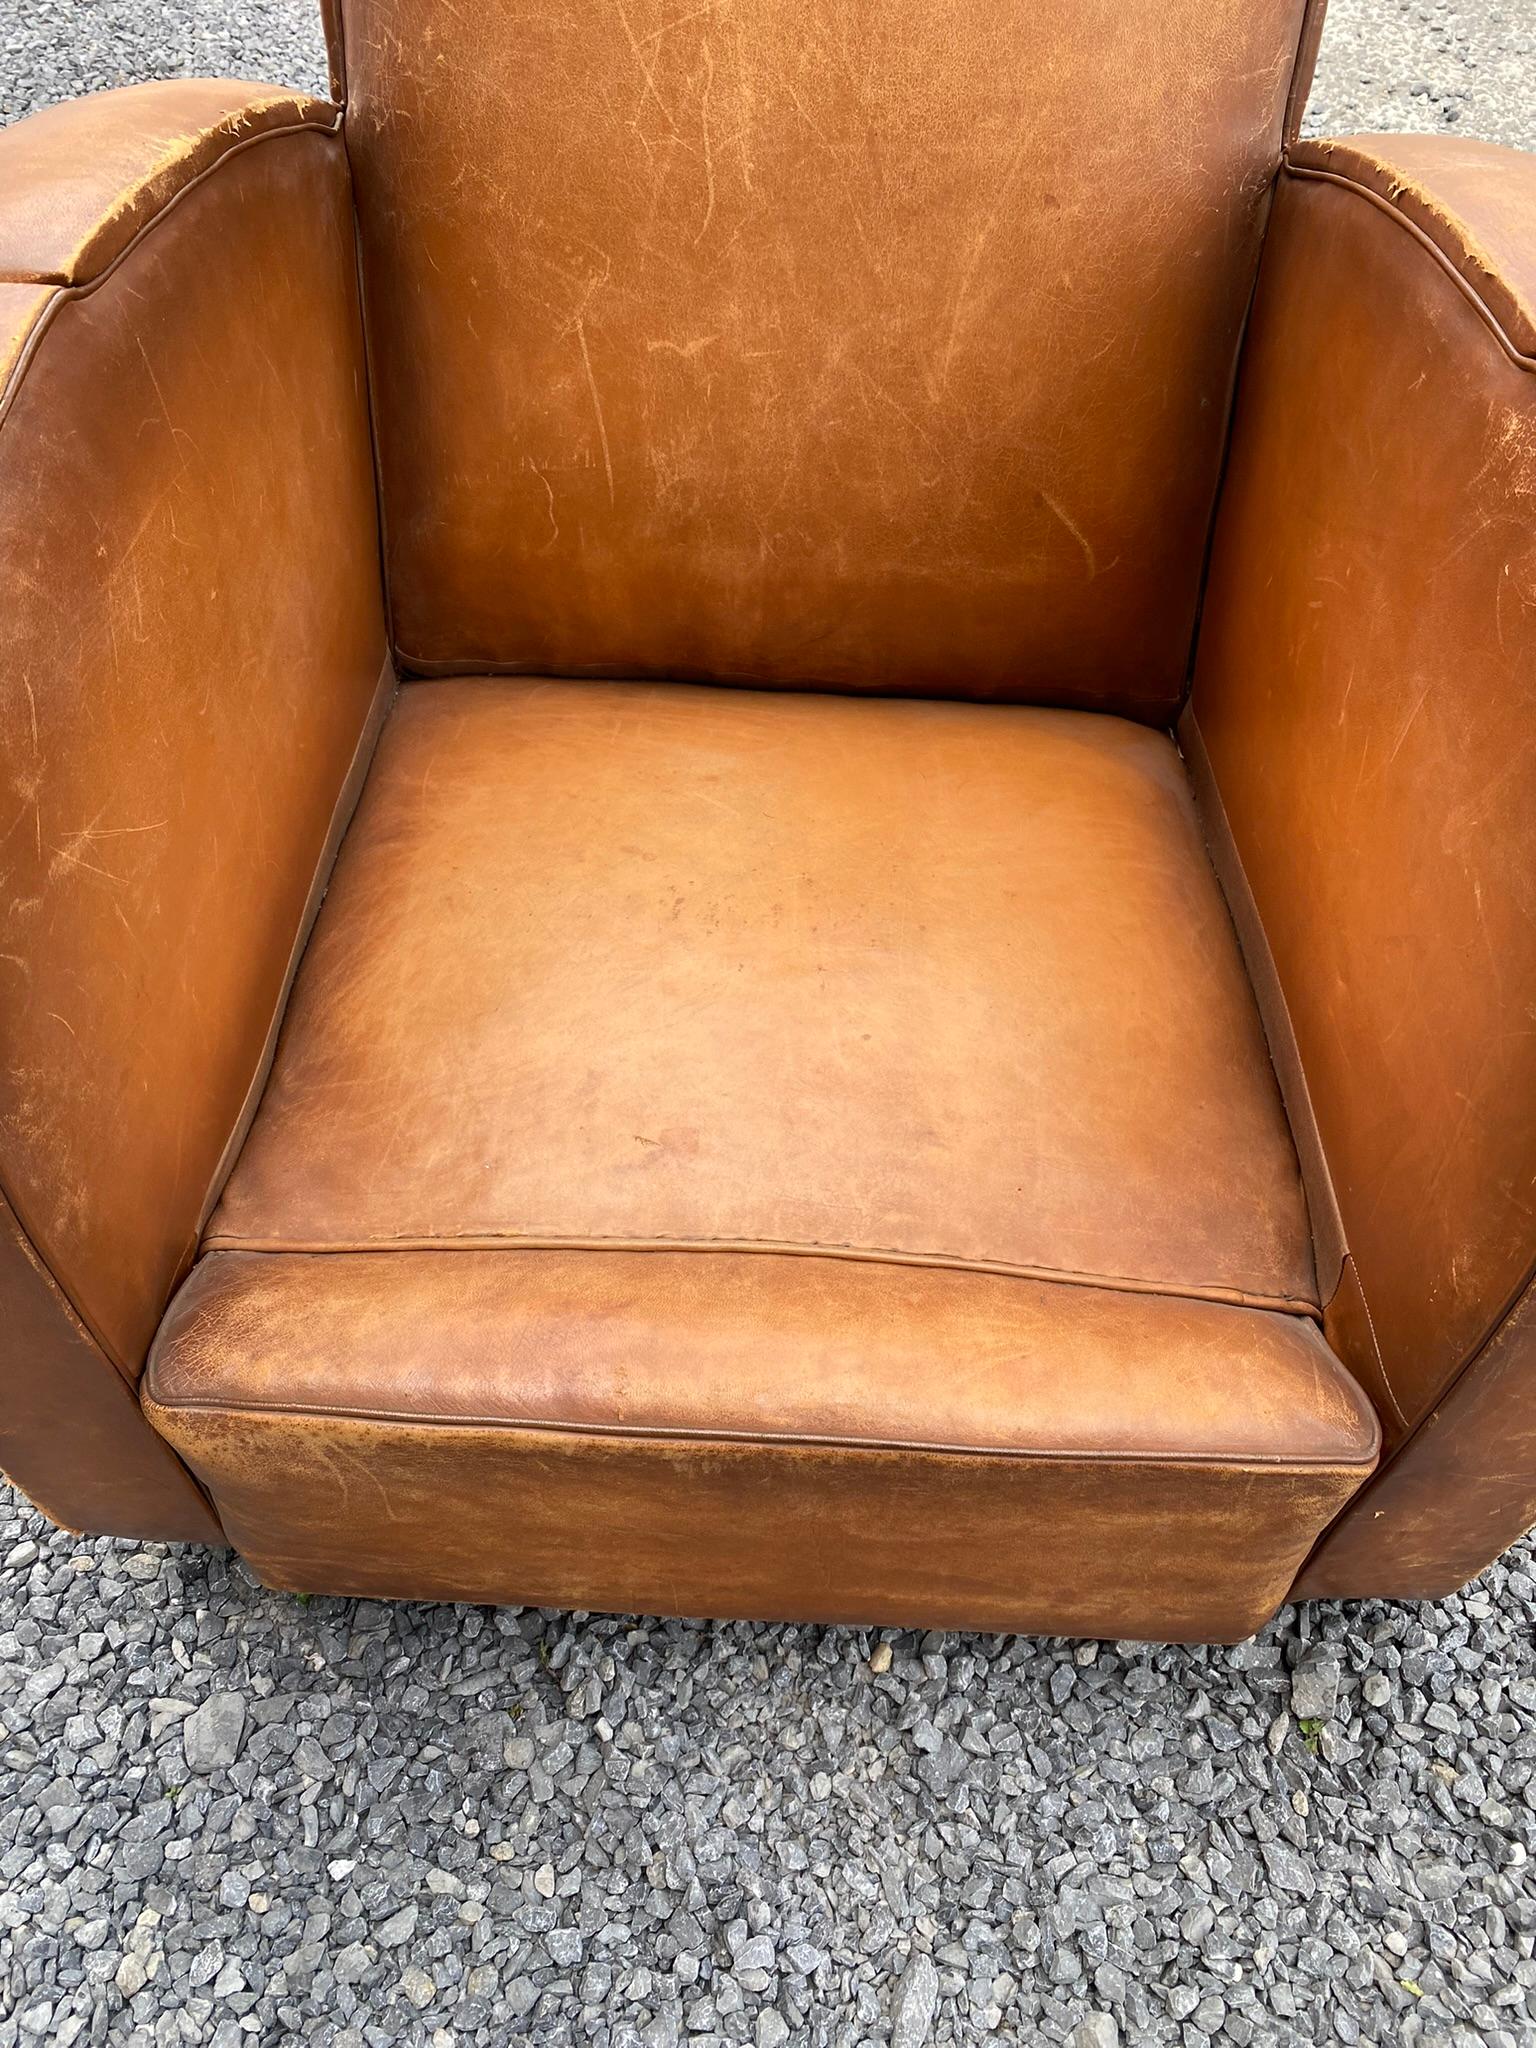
1470, 200
758, 1435
885, 348
78, 181
633, 964
1363, 699
911, 1041
806, 1150
21, 308
191, 639
72, 1436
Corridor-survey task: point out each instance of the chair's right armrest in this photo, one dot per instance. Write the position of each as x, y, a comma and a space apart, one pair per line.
192, 660
1363, 729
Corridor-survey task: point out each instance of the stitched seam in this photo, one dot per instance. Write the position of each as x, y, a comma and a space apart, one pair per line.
790, 1439
1427, 242
1303, 68
220, 1241
1352, 1265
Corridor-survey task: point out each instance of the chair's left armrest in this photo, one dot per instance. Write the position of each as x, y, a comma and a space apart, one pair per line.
80, 180
1363, 727
192, 658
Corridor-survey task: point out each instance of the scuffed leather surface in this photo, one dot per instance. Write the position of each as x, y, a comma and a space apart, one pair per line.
78, 181
635, 964
1366, 692
1474, 201
792, 1349
760, 1436
190, 638
866, 346
72, 1434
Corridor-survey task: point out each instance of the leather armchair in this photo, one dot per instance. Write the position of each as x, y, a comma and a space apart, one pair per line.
923, 1005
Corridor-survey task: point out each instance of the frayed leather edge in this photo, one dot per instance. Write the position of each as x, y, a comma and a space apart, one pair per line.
1436, 250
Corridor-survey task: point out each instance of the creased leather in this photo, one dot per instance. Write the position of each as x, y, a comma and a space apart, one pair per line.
789, 1349
614, 962
865, 347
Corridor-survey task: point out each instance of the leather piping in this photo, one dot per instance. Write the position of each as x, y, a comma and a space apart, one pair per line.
68, 294
1463, 284
791, 1439
878, 1255
1305, 65
331, 127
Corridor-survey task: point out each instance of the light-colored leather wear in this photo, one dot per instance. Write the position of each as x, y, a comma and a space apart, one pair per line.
886, 1077
885, 348
191, 642
923, 1005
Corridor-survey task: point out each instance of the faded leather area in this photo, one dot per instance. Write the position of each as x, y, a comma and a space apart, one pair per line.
757, 1436
1474, 202
627, 964
734, 1345
191, 638
78, 181
1367, 701
857, 347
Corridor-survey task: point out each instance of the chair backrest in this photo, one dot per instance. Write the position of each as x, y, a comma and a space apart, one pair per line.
862, 344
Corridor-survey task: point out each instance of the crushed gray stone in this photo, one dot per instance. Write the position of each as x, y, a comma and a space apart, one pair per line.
228, 1817
568, 1829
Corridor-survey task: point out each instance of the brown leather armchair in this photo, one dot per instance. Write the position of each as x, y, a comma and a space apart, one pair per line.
720, 542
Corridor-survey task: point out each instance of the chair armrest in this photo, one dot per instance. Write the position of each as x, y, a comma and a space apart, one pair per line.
192, 661
78, 181
1363, 728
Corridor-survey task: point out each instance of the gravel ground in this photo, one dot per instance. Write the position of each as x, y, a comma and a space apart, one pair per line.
228, 1816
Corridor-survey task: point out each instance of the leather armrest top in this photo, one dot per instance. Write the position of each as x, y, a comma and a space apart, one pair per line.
1474, 202
80, 180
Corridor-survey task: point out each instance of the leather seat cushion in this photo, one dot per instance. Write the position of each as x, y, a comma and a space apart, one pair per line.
812, 1113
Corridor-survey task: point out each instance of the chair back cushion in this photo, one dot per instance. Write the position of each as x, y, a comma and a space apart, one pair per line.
858, 344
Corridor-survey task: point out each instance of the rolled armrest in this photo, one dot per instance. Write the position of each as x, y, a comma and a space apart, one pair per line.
191, 665
1473, 202
78, 181
1363, 727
